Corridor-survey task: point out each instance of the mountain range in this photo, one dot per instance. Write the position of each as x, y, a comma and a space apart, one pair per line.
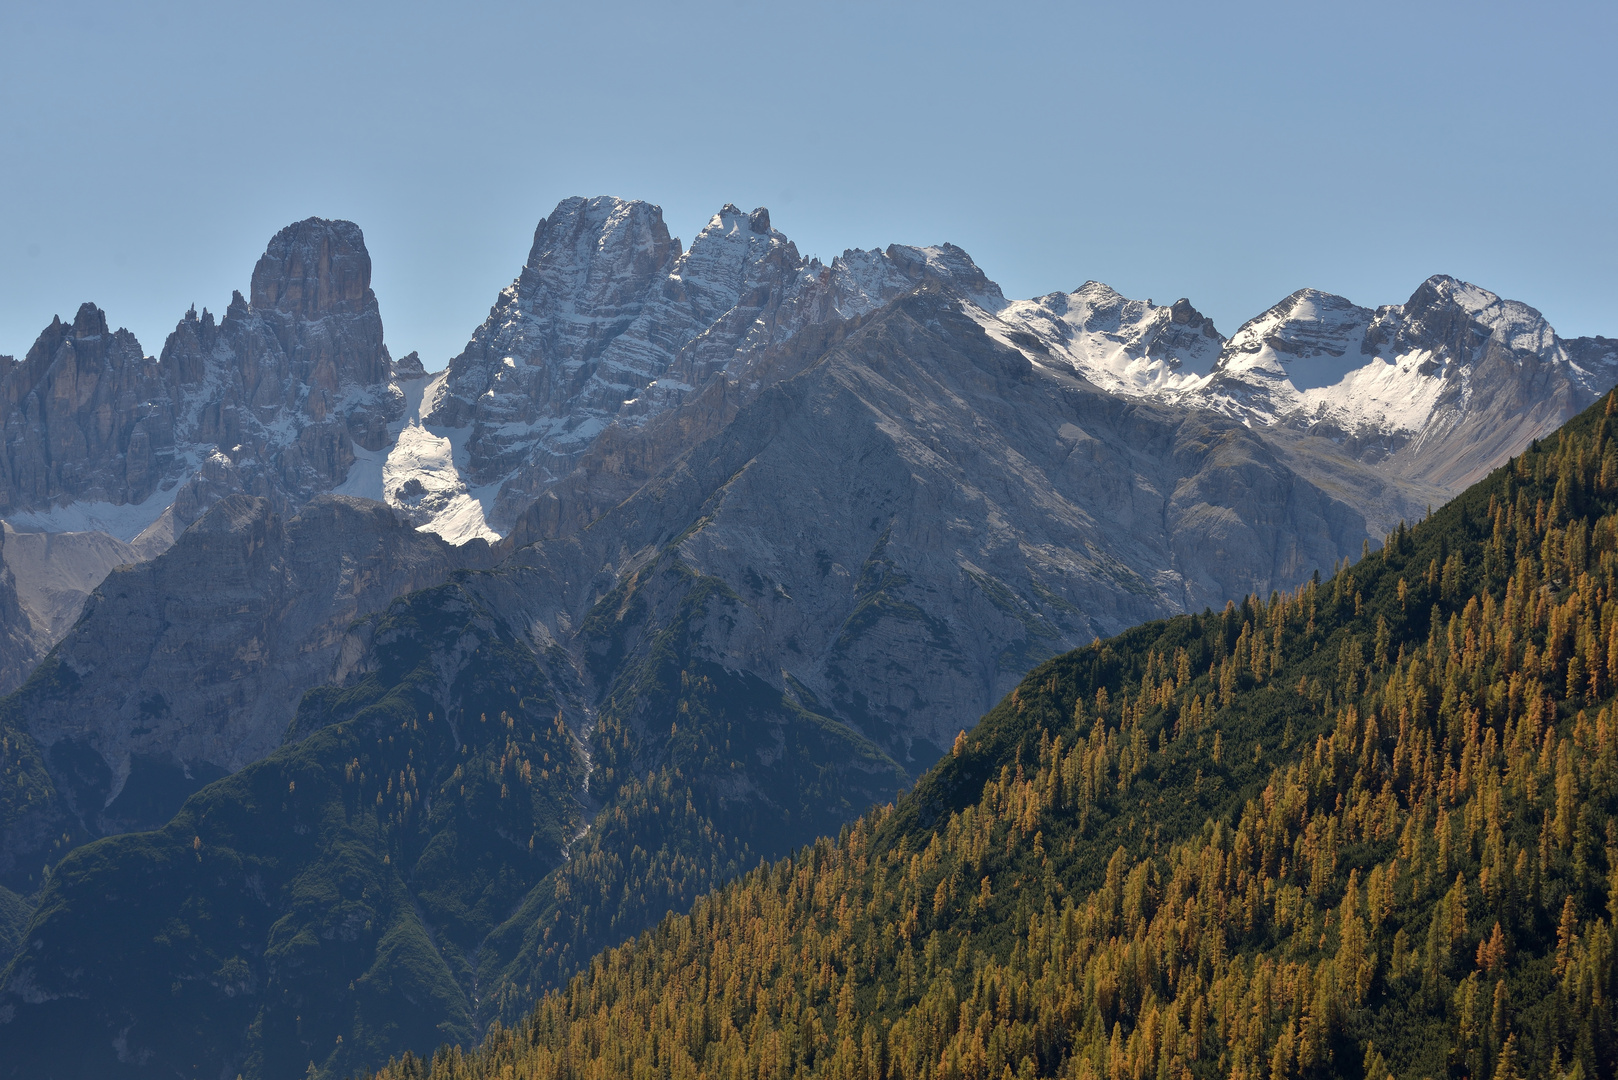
687, 558
1354, 830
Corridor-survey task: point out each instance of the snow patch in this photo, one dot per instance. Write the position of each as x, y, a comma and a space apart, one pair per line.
122, 521
422, 473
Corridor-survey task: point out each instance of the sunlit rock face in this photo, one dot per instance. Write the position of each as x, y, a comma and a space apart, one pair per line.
611, 322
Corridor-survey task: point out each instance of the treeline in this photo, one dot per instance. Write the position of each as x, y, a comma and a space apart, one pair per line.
1366, 828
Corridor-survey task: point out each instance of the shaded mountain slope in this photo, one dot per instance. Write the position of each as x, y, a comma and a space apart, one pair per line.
318, 904
187, 667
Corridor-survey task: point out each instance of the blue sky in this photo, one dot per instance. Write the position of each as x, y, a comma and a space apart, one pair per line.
1226, 152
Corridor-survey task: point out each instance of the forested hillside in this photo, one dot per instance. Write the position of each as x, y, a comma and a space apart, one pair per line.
1363, 829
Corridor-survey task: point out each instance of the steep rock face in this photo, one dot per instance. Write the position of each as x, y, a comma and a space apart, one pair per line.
108, 454
276, 392
288, 382
87, 417
190, 666
591, 271
610, 322
1595, 355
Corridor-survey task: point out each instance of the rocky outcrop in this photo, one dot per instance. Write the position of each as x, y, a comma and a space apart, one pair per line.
88, 417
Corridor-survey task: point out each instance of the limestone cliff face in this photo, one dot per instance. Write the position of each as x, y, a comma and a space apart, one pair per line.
106, 455
87, 417
289, 381
277, 393
611, 323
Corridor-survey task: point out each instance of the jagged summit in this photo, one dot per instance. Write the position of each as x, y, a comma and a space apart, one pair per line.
80, 422
1126, 346
1435, 389
612, 321
278, 399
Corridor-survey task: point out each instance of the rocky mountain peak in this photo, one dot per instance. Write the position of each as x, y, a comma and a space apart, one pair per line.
88, 339
611, 322
271, 399
314, 267
312, 290
1123, 345
90, 321
1181, 313
409, 366
1452, 320
733, 256
599, 256
949, 265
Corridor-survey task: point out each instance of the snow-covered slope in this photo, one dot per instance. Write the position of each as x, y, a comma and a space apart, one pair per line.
1435, 391
1131, 347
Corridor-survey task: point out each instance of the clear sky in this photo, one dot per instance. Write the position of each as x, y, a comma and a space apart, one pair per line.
1230, 153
